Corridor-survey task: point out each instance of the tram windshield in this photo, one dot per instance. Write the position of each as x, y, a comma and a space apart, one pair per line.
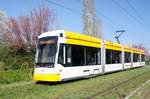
46, 50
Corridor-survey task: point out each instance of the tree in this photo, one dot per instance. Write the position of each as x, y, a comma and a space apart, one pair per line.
141, 46
23, 31
3, 26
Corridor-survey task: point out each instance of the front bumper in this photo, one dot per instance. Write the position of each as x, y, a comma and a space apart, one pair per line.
46, 77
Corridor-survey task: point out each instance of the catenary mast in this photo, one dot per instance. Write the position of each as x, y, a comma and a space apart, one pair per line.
91, 23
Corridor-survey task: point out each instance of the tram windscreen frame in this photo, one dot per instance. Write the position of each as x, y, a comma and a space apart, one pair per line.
46, 51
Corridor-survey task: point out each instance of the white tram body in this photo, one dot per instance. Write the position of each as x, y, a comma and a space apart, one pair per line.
63, 55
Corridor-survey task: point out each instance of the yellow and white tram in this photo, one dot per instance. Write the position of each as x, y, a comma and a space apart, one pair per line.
63, 55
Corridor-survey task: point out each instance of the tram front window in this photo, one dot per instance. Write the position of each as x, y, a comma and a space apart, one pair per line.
46, 51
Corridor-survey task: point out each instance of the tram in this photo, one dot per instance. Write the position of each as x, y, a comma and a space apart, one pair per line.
63, 55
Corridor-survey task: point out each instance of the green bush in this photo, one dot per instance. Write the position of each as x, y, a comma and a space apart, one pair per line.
2, 66
16, 60
24, 65
147, 62
11, 76
15, 66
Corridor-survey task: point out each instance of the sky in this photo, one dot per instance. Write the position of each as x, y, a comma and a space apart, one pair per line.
130, 15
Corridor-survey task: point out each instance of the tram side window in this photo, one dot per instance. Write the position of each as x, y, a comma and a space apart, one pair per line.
77, 55
136, 57
98, 59
108, 57
60, 56
142, 57
92, 56
68, 55
113, 57
127, 57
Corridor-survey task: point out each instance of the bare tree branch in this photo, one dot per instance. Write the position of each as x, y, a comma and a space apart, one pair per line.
24, 30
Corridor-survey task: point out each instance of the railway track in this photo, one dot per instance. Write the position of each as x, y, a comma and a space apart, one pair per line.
108, 90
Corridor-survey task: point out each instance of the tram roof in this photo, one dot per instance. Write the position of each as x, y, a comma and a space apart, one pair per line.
85, 40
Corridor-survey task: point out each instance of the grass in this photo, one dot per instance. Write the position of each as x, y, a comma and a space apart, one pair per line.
79, 89
11, 76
